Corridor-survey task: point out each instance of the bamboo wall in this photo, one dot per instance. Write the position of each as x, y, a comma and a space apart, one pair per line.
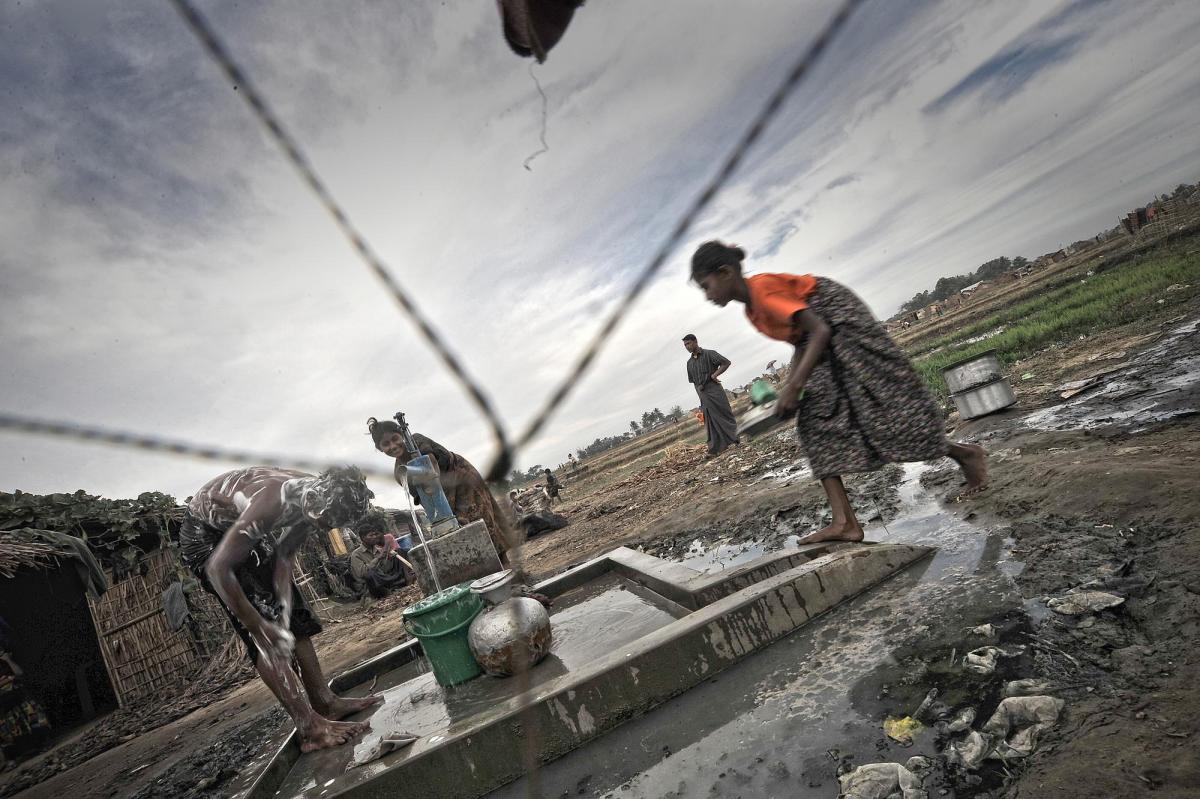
142, 654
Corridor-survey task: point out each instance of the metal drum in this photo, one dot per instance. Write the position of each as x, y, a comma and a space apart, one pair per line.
982, 400
972, 372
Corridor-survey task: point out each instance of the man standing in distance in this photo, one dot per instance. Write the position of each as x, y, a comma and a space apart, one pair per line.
704, 369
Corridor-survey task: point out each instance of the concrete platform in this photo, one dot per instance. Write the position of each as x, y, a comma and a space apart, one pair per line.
630, 630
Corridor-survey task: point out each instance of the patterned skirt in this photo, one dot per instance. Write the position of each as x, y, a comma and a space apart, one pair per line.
864, 405
471, 501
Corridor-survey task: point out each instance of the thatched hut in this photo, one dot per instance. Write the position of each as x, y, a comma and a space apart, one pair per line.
126, 629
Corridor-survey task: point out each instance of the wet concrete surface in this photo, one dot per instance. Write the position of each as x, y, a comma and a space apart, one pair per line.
789, 717
587, 623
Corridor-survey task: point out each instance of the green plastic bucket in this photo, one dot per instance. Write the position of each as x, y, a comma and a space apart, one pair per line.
440, 623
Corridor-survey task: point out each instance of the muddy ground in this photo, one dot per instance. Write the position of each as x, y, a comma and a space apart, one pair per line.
1097, 490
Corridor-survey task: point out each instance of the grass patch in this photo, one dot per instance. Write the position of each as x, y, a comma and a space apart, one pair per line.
1108, 299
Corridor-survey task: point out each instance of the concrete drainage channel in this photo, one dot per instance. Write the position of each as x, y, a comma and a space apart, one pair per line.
630, 632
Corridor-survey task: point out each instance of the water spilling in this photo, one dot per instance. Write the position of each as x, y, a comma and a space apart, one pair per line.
412, 512
780, 723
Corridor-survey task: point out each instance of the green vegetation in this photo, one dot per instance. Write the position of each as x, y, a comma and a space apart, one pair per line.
1125, 293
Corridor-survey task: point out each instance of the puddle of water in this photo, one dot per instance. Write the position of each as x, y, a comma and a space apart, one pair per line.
727, 555
768, 725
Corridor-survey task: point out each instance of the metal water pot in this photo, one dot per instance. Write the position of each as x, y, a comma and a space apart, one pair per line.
513, 633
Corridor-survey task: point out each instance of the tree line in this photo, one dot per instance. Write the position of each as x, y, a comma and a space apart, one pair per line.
947, 286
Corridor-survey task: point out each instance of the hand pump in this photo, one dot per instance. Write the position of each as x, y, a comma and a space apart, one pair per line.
423, 477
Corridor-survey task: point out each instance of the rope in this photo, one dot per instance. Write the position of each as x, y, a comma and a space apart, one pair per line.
120, 438
505, 450
774, 103
262, 111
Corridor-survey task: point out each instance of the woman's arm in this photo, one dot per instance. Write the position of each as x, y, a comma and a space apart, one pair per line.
817, 333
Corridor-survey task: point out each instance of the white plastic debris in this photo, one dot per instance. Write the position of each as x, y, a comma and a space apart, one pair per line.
985, 630
971, 751
1084, 602
886, 781
1011, 732
1017, 723
983, 660
372, 749
962, 720
1027, 687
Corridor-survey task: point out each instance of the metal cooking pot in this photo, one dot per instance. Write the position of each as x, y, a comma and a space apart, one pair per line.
511, 636
985, 399
972, 372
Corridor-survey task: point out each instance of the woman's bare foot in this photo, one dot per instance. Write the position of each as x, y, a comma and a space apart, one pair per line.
322, 733
838, 531
972, 458
341, 706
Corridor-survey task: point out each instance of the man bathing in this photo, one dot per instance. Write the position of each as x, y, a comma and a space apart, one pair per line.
239, 536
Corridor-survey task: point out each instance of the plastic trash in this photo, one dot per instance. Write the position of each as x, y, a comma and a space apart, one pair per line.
1027, 687
886, 780
1017, 723
983, 660
373, 749
1084, 602
985, 630
962, 720
971, 751
902, 730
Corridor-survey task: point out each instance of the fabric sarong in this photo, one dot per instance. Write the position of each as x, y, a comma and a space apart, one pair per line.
719, 421
864, 404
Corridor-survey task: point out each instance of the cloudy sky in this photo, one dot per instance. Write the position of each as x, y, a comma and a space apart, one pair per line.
164, 271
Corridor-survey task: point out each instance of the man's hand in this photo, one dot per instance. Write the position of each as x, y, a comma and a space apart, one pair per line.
789, 400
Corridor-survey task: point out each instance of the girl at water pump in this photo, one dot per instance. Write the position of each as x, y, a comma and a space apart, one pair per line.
465, 488
859, 403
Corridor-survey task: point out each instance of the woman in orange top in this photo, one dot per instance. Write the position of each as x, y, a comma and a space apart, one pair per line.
859, 404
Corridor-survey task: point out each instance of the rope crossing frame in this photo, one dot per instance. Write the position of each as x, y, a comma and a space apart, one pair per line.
502, 461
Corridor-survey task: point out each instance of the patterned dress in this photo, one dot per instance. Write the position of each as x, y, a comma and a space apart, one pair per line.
864, 405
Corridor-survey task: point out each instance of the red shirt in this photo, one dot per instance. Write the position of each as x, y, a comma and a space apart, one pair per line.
774, 299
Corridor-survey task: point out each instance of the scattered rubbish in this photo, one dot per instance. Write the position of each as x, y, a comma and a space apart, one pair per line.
925, 703
1084, 602
371, 751
1017, 723
962, 720
971, 751
985, 630
1027, 376
902, 730
886, 780
983, 660
1028, 687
